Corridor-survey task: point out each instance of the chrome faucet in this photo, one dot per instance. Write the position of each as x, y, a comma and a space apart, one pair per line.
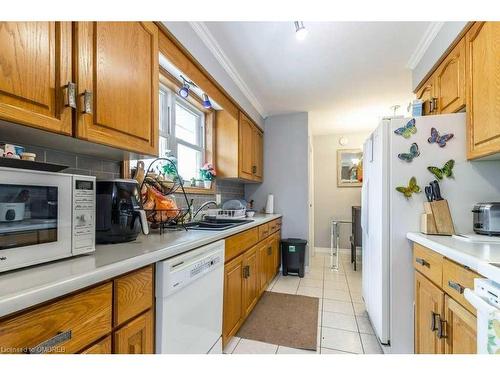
201, 208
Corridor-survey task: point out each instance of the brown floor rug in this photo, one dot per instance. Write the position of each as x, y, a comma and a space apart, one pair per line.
283, 319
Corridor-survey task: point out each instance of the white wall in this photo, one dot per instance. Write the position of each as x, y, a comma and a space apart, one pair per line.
191, 41
285, 172
441, 42
330, 201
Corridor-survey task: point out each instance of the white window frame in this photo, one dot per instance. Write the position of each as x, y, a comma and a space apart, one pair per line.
167, 129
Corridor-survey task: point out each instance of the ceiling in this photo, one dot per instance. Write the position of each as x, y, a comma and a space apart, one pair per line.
347, 75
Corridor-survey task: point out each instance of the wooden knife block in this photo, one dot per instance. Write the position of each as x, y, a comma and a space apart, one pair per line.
437, 218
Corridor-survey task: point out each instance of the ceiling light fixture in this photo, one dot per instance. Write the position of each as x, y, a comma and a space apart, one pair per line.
206, 101
300, 30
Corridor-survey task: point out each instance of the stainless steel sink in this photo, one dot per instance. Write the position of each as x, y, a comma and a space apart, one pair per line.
217, 224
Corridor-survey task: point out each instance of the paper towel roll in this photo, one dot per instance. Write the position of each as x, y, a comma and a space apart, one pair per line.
270, 204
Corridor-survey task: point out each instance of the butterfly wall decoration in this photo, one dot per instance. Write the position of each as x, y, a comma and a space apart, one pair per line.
446, 171
407, 130
439, 139
412, 187
409, 156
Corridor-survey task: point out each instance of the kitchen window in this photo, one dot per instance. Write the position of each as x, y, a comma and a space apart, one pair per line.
182, 133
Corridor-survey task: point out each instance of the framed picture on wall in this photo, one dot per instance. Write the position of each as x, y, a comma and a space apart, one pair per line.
349, 167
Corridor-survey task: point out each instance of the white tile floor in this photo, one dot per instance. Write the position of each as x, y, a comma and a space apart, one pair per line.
343, 325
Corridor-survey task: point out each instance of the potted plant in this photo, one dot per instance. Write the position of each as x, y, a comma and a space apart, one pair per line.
208, 173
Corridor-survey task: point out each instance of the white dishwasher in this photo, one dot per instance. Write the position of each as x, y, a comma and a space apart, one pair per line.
189, 297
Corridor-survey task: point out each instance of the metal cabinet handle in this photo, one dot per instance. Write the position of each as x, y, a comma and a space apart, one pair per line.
454, 285
422, 262
440, 327
254, 169
246, 272
87, 102
433, 321
70, 95
434, 104
269, 250
51, 343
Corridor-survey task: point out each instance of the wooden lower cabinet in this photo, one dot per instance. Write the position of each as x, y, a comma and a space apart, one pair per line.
83, 321
444, 321
460, 328
246, 278
250, 280
429, 301
101, 347
136, 337
233, 298
65, 326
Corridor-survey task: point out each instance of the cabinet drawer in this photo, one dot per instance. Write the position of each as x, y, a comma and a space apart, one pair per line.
237, 244
456, 278
264, 231
274, 225
429, 263
133, 294
65, 326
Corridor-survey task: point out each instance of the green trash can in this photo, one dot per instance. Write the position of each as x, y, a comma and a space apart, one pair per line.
293, 252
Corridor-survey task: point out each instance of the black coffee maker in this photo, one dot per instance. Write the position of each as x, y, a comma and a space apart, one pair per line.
119, 213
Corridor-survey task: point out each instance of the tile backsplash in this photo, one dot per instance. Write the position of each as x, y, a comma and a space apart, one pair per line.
77, 163
227, 189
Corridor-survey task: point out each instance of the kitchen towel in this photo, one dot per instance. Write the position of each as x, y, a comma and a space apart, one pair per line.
494, 333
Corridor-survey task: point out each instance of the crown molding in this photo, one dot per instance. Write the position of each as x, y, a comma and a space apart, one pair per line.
422, 46
211, 43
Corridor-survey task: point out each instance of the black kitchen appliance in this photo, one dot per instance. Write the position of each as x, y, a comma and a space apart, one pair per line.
119, 216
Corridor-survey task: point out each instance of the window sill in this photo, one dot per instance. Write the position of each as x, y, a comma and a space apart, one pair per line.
199, 190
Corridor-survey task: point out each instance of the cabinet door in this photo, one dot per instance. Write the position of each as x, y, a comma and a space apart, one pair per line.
426, 93
262, 265
250, 280
277, 252
460, 329
136, 337
233, 298
450, 81
246, 151
101, 347
117, 76
258, 154
483, 89
35, 68
429, 300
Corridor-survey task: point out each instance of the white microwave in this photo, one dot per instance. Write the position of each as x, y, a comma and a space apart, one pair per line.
44, 217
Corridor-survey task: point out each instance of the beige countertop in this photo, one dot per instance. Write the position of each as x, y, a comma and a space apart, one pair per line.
478, 256
33, 285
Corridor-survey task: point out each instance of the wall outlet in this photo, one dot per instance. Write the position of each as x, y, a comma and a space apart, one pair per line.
218, 199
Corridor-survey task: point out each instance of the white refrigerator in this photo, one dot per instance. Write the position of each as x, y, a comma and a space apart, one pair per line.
388, 279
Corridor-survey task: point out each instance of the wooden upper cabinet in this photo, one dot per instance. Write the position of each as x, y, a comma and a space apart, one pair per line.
461, 329
246, 150
426, 94
35, 68
117, 73
258, 154
239, 147
483, 89
429, 301
450, 81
